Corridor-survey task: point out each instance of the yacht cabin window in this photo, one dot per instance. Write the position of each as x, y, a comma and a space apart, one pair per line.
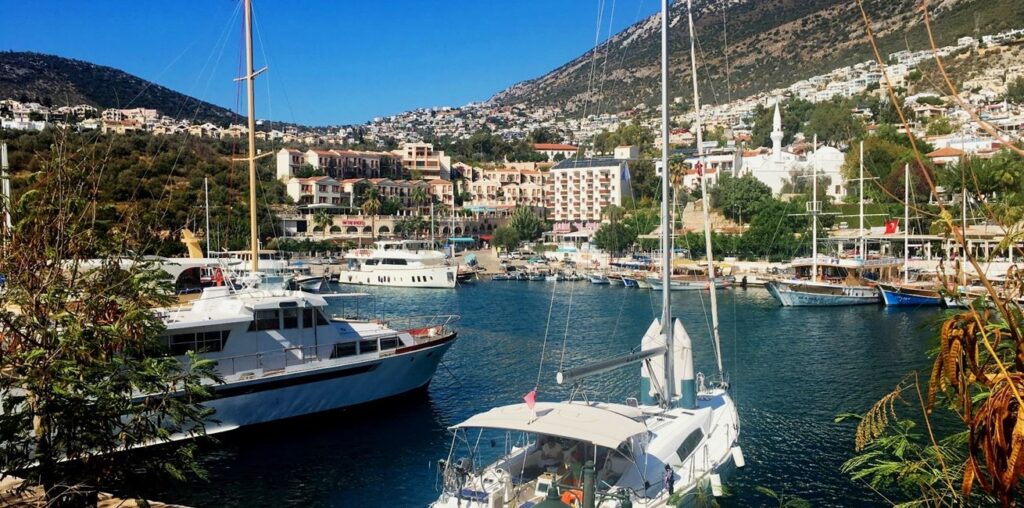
367, 346
290, 318
389, 343
690, 444
265, 320
343, 349
200, 342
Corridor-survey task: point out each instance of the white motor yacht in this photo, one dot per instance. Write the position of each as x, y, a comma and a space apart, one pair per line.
281, 355
399, 263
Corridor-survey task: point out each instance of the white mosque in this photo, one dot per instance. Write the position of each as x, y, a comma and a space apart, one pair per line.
777, 166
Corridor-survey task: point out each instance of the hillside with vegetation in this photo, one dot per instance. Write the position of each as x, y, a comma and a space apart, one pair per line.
56, 81
157, 180
770, 45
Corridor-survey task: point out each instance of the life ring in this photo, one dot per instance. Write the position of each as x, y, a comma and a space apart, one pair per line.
573, 497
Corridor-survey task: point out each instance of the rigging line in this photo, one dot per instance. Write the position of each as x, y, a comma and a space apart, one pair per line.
593, 64
707, 72
725, 43
568, 314
604, 64
547, 326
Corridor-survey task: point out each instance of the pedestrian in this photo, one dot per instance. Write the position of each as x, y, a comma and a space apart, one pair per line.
669, 479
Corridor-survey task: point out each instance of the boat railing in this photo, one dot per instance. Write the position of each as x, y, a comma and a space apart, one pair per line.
424, 326
272, 361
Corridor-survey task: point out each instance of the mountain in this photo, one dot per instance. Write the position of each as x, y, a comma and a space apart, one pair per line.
771, 44
63, 81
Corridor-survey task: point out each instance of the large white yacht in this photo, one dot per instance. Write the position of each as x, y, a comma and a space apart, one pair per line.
399, 263
281, 355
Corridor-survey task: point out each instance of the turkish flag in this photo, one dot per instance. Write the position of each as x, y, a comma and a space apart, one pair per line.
891, 227
699, 169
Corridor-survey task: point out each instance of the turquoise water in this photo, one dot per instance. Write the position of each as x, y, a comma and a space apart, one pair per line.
792, 371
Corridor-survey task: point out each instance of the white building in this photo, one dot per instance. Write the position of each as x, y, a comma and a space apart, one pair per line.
551, 150
778, 166
317, 190
582, 188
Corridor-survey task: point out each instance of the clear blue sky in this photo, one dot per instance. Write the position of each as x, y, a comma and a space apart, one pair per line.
331, 62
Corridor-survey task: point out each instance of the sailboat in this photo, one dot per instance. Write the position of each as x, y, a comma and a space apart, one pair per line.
280, 352
608, 454
829, 280
909, 293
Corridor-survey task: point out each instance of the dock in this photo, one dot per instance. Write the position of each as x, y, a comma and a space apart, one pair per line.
33, 496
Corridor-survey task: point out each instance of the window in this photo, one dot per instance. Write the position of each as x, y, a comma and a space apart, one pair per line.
367, 346
343, 349
389, 343
320, 319
290, 318
265, 320
200, 342
690, 444
307, 318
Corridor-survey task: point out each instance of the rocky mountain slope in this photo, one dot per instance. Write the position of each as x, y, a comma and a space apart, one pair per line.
62, 81
771, 43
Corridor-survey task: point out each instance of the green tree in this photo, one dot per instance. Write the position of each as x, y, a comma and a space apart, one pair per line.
793, 115
740, 198
939, 127
833, 122
419, 197
307, 170
507, 238
526, 223
614, 237
322, 221
544, 135
85, 374
1015, 91
371, 206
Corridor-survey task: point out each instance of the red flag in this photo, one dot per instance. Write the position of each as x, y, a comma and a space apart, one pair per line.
891, 227
699, 169
531, 398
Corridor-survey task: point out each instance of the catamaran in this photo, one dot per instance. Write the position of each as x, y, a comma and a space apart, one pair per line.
609, 453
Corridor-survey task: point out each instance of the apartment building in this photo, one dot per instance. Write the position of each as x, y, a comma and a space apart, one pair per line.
317, 190
421, 159
582, 188
339, 163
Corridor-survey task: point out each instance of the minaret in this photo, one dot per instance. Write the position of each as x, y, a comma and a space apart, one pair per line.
777, 135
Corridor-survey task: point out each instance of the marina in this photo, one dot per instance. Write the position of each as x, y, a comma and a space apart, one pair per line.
790, 382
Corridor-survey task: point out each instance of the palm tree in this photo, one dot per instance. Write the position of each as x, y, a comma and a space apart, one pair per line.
322, 221
418, 196
371, 207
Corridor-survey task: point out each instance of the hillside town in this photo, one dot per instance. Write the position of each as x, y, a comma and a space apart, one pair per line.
576, 181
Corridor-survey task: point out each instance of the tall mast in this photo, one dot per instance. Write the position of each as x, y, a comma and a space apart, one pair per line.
906, 223
4, 167
250, 76
206, 197
666, 220
814, 212
704, 192
860, 230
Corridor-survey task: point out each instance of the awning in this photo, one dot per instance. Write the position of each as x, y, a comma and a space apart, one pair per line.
461, 239
486, 238
593, 424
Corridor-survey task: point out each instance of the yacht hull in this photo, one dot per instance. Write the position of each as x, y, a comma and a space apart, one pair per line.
413, 277
900, 296
809, 295
288, 395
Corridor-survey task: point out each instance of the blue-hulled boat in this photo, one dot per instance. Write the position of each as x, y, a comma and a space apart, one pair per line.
909, 295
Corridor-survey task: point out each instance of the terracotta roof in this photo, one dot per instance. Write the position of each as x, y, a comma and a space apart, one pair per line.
439, 182
553, 146
353, 180
946, 152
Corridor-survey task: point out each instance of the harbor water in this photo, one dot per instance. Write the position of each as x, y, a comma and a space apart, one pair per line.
792, 371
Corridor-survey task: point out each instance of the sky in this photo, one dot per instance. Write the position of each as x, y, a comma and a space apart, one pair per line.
330, 61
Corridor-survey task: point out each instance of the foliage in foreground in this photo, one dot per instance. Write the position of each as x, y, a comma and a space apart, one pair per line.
84, 375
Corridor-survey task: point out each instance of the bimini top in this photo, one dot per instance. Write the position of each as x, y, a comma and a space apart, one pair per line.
583, 422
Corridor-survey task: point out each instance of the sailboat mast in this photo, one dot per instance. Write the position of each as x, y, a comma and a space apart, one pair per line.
206, 197
4, 168
814, 212
906, 223
666, 219
860, 230
704, 190
250, 76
